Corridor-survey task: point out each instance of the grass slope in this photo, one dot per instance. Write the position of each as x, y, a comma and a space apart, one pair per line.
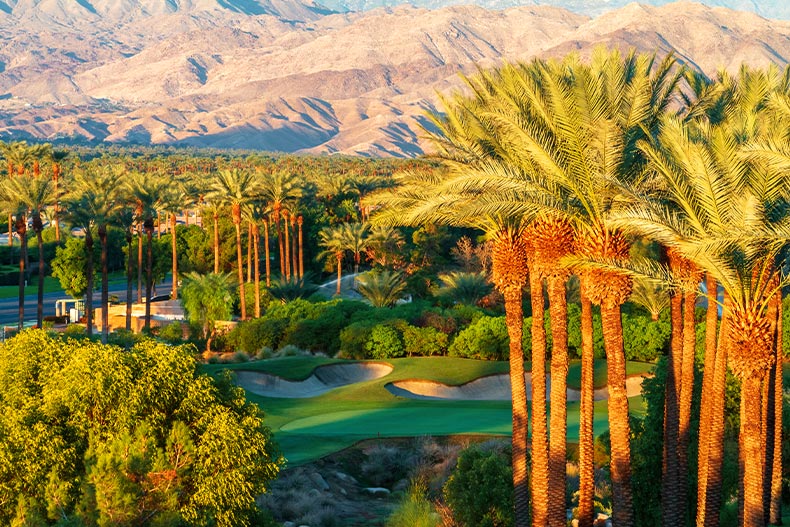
307, 429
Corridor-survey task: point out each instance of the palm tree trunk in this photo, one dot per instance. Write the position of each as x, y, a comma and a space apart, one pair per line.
540, 459
711, 321
129, 278
250, 243
514, 318
174, 251
686, 386
242, 298
301, 248
586, 416
40, 299
149, 268
558, 308
21, 229
216, 243
256, 236
105, 286
140, 262
670, 486
339, 266
619, 427
715, 438
773, 421
287, 255
752, 497
89, 277
56, 205
266, 252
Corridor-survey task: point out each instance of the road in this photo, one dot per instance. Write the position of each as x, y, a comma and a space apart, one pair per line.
9, 307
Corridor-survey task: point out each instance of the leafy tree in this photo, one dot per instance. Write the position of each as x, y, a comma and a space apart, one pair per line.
480, 491
486, 339
425, 341
93, 434
206, 299
384, 342
69, 267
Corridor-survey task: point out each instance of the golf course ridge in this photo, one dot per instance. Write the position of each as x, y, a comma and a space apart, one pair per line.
320, 381
492, 388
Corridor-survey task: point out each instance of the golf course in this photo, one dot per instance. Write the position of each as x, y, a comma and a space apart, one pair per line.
359, 403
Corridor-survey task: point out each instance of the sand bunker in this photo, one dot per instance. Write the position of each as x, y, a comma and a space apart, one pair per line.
323, 379
492, 388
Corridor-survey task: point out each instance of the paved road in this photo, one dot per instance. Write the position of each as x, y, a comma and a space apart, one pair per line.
9, 307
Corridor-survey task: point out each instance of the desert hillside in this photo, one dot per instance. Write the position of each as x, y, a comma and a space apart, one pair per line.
295, 77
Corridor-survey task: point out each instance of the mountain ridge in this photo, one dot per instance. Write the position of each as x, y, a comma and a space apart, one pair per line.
355, 83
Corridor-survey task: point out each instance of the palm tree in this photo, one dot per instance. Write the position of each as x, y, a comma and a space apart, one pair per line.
207, 299
355, 240
57, 157
334, 244
465, 288
381, 288
278, 189
96, 189
565, 132
422, 198
146, 190
172, 202
236, 188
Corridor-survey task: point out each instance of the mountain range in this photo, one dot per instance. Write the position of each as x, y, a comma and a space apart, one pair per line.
296, 76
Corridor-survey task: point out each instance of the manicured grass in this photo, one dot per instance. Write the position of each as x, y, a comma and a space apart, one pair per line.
12, 291
307, 429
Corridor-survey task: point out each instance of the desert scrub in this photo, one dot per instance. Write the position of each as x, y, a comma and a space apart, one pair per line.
415, 509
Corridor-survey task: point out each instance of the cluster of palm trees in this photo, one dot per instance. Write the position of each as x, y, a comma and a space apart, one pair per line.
563, 164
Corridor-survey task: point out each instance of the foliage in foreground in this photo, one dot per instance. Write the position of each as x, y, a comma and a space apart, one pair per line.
94, 435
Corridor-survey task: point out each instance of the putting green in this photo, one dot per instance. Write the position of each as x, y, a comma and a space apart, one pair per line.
308, 429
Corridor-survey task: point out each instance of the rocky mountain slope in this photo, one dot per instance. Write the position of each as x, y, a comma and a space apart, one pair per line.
288, 76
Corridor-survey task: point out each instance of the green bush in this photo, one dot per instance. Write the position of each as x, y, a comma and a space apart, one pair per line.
353, 339
172, 333
423, 341
480, 490
415, 509
253, 335
485, 339
645, 339
384, 342
322, 334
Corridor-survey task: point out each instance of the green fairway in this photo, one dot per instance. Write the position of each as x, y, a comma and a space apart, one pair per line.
51, 285
307, 429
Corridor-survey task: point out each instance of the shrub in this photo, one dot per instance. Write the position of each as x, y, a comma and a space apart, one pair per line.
485, 339
322, 334
384, 342
414, 510
253, 335
424, 341
172, 333
480, 490
353, 339
645, 339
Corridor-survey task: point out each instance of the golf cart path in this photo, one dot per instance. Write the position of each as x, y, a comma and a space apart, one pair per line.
323, 379
493, 388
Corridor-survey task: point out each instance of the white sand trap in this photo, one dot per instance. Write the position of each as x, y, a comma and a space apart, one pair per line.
493, 388
323, 379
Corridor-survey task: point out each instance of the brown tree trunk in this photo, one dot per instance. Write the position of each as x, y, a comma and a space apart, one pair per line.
105, 285
287, 255
299, 222
339, 264
774, 425
216, 243
129, 278
89, 277
752, 498
40, 297
619, 426
670, 481
586, 417
242, 299
715, 438
540, 457
558, 415
256, 244
140, 262
56, 206
266, 251
514, 318
250, 243
149, 270
21, 230
174, 250
711, 321
686, 386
